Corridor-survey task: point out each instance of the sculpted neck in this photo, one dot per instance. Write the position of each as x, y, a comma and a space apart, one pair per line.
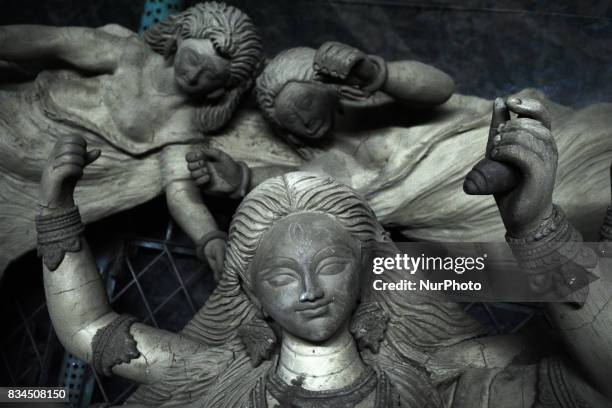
333, 364
161, 74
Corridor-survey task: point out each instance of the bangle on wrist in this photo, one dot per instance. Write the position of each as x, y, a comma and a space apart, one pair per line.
245, 181
205, 239
114, 344
59, 231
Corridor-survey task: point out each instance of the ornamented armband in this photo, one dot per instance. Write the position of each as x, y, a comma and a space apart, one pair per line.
114, 344
554, 248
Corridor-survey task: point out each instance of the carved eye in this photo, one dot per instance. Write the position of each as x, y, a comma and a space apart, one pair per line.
332, 266
214, 73
191, 58
292, 117
306, 102
281, 277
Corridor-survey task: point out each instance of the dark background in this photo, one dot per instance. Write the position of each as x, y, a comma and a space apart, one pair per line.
491, 48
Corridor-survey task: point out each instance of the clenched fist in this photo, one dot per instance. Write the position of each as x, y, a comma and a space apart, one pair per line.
214, 171
63, 169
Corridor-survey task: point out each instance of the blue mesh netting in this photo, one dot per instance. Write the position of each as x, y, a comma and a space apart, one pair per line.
156, 10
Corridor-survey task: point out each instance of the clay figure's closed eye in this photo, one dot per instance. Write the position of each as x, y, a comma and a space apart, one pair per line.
280, 277
333, 266
306, 102
305, 109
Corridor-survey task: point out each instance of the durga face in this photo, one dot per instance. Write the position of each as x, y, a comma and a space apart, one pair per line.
306, 275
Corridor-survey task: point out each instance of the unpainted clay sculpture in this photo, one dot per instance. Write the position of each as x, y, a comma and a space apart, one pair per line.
141, 101
294, 320
408, 163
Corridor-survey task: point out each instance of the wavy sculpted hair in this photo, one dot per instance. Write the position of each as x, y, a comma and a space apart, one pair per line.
417, 324
294, 64
233, 35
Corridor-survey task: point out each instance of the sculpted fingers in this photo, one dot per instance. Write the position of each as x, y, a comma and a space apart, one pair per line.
92, 156
196, 165
70, 158
530, 108
531, 136
500, 115
531, 127
201, 175
537, 146
517, 154
194, 156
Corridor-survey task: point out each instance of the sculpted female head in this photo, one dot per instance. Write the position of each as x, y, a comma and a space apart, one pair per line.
296, 243
216, 54
293, 258
290, 98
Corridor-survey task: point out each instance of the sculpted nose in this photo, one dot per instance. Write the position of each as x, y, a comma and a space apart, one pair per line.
312, 291
192, 76
305, 118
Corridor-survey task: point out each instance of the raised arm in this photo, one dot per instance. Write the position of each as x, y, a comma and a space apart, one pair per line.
86, 48
76, 299
361, 76
548, 248
188, 209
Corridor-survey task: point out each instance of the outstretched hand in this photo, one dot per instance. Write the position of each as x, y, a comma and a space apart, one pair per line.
63, 170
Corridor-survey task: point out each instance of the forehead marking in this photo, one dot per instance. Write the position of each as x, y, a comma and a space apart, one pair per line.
298, 235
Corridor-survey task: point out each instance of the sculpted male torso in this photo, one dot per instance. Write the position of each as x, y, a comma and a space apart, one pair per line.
140, 100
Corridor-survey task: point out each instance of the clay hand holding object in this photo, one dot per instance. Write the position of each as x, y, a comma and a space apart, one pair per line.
142, 100
545, 244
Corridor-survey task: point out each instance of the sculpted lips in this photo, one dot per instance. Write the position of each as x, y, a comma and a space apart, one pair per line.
313, 309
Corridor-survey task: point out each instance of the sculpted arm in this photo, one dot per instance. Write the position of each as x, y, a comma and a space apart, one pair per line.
409, 82
416, 84
86, 48
546, 245
188, 209
76, 298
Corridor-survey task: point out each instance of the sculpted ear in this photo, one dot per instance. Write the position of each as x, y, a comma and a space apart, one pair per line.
369, 325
